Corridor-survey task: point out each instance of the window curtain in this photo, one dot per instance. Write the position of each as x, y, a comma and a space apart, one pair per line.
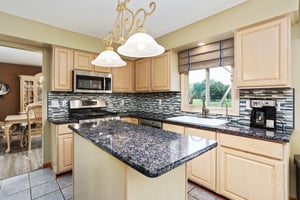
210, 55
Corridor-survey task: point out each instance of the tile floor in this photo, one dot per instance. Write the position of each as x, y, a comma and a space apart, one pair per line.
37, 185
198, 193
42, 185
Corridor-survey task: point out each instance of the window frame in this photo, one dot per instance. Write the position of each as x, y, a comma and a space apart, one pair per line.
186, 107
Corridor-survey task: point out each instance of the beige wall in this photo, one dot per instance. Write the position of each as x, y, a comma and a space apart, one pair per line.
213, 28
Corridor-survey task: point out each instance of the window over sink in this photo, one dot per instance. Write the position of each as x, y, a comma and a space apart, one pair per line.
207, 78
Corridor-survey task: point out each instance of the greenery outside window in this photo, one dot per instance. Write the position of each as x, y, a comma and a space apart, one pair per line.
209, 81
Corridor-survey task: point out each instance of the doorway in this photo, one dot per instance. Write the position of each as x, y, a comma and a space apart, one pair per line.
22, 71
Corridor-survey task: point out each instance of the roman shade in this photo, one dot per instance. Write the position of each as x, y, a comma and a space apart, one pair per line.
214, 54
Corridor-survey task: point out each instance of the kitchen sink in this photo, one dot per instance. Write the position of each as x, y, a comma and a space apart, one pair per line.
199, 121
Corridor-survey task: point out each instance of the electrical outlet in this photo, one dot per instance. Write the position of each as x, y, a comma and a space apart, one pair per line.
247, 104
278, 106
159, 102
54, 103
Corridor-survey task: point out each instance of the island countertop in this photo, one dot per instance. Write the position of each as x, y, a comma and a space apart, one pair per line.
148, 150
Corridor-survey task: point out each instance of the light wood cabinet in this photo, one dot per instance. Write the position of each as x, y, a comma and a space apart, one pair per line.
173, 127
130, 120
65, 152
158, 73
202, 170
30, 90
262, 54
252, 169
82, 60
123, 78
62, 69
62, 148
142, 75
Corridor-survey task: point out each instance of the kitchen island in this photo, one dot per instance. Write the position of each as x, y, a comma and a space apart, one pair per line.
118, 160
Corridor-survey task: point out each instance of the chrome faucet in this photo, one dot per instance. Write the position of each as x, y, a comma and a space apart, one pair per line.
226, 107
204, 109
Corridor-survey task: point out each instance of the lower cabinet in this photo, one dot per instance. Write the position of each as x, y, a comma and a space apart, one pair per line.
202, 170
62, 148
252, 169
65, 152
240, 168
132, 120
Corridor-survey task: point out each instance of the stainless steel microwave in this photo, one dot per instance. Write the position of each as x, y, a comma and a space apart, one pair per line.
91, 82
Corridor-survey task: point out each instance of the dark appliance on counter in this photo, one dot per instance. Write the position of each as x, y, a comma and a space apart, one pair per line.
91, 82
263, 114
91, 111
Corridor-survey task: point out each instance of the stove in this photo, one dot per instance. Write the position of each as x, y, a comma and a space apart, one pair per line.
91, 111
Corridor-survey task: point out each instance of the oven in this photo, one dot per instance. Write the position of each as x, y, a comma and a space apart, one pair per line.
91, 111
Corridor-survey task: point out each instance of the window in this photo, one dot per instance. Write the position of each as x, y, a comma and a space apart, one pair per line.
208, 80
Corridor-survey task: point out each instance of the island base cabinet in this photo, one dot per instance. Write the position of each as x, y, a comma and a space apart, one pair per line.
98, 175
248, 176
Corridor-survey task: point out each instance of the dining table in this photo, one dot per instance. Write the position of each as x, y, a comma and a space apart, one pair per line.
9, 121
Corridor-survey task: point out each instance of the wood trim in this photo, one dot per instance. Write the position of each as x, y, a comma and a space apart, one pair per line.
46, 165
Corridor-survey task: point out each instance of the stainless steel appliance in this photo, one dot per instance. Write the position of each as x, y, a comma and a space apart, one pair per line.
91, 82
91, 111
152, 123
263, 113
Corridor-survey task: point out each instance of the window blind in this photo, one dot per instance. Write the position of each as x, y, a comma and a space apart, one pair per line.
210, 55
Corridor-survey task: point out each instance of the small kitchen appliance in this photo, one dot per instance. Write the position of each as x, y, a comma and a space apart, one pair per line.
263, 114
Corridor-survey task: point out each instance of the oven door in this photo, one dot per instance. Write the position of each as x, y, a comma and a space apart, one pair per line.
91, 82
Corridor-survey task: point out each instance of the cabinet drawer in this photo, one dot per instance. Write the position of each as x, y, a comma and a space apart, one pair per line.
63, 129
261, 147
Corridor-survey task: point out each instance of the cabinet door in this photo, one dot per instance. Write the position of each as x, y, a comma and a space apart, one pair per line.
262, 54
65, 152
248, 176
142, 75
62, 69
160, 72
82, 60
123, 78
130, 120
202, 170
173, 128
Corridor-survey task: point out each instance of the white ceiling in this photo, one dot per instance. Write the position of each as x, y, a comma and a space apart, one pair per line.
96, 17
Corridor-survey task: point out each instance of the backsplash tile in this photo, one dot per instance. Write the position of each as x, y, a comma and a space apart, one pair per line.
285, 104
170, 103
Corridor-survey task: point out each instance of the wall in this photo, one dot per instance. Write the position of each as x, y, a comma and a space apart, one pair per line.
10, 103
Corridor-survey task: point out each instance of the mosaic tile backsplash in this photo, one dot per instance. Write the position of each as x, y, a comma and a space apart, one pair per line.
170, 103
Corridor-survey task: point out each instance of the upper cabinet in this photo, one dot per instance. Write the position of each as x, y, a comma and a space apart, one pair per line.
123, 78
82, 60
142, 75
62, 69
159, 73
262, 54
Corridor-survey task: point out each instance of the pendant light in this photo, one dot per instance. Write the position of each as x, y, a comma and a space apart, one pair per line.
135, 45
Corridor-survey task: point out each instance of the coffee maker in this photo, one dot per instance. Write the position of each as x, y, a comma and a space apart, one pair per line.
263, 114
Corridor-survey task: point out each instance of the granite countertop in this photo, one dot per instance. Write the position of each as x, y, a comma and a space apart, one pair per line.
234, 127
150, 151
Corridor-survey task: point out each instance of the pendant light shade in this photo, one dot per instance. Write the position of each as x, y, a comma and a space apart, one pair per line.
109, 58
140, 45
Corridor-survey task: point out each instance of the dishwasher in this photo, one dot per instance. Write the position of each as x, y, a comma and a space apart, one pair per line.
152, 123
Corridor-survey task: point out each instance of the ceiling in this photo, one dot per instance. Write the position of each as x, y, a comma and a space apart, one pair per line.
96, 17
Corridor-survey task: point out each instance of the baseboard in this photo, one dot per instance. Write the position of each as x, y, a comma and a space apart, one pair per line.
46, 165
293, 198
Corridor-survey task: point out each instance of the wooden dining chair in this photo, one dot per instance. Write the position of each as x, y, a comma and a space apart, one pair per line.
34, 122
